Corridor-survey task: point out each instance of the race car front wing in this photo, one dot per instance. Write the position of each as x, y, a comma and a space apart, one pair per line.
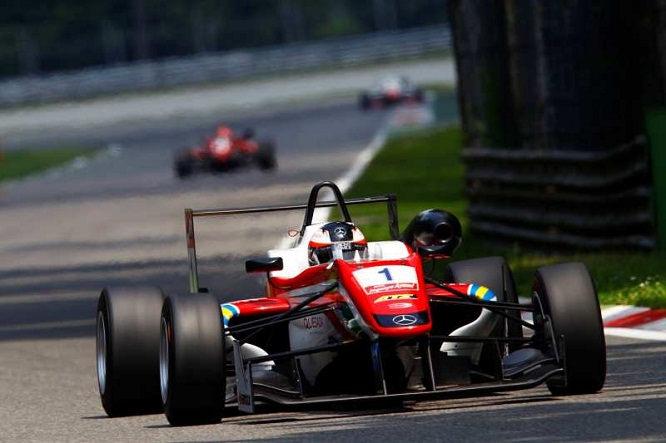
526, 369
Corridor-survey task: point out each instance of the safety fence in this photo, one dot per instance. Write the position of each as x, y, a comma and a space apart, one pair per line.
557, 198
228, 66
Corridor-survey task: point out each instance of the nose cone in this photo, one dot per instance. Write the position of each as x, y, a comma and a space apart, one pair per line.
389, 296
401, 314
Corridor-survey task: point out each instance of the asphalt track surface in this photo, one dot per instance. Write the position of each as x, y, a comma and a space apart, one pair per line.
118, 220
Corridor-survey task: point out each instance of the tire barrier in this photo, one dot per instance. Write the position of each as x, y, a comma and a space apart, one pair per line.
558, 198
544, 98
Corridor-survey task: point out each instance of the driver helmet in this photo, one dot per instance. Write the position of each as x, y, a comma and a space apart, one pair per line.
223, 131
335, 240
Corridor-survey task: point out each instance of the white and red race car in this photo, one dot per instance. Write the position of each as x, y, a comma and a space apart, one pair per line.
347, 320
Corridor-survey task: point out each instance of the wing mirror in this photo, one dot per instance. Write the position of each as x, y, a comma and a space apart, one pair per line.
434, 233
264, 264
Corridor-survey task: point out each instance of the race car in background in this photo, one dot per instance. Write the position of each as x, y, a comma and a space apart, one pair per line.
344, 320
390, 90
226, 151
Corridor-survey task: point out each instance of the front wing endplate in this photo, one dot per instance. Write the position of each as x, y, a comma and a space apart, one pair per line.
244, 393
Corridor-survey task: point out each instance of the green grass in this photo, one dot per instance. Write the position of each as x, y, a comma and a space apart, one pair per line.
425, 171
19, 164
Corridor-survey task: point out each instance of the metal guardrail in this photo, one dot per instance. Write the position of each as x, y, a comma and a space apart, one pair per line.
574, 199
229, 66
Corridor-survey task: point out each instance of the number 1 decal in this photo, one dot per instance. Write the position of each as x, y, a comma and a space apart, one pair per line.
376, 280
386, 273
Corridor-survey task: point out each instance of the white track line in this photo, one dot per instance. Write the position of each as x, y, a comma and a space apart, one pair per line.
348, 178
641, 334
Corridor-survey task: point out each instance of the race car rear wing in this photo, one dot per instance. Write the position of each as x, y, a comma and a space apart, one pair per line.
190, 214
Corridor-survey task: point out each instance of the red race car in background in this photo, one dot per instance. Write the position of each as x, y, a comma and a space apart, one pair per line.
225, 152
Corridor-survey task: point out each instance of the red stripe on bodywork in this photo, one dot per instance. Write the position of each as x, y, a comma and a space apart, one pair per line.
637, 319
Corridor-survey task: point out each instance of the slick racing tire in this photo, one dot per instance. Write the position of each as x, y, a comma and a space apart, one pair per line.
127, 343
565, 295
183, 165
495, 274
192, 360
265, 156
364, 102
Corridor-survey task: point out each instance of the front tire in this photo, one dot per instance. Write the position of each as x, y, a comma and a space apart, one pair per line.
183, 165
265, 156
565, 295
364, 102
192, 360
127, 344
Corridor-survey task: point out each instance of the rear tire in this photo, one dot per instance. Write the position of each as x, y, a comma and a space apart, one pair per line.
495, 274
192, 360
566, 294
127, 344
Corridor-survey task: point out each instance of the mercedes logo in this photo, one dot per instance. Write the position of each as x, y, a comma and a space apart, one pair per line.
340, 231
404, 320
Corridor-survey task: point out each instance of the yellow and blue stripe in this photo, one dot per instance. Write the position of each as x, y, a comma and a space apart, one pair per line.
481, 293
229, 311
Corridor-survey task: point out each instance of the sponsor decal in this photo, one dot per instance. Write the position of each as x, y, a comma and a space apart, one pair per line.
384, 298
386, 287
481, 292
340, 231
243, 380
404, 320
400, 305
314, 322
229, 310
375, 280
